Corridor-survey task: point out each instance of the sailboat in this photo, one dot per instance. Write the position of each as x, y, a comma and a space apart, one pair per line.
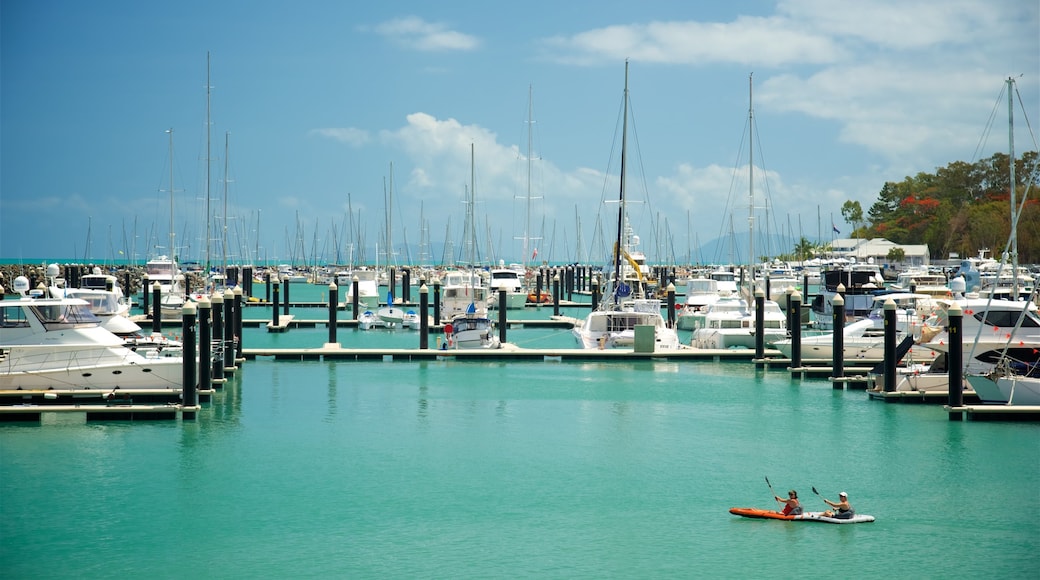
471, 328
164, 270
730, 321
625, 306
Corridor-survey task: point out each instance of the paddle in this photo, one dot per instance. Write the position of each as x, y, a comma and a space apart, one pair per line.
821, 497
774, 493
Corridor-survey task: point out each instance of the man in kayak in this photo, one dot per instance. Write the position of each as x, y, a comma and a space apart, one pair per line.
792, 506
843, 510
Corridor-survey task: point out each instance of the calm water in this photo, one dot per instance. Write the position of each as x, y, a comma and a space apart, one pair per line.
454, 469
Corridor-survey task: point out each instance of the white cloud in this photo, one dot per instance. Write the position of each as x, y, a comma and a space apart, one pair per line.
415, 33
348, 135
747, 40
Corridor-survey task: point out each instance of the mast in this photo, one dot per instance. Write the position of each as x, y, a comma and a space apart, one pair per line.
223, 239
209, 215
751, 191
621, 194
173, 254
530, 139
1011, 155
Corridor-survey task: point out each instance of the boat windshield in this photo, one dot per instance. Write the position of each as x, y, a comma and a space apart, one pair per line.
65, 314
100, 302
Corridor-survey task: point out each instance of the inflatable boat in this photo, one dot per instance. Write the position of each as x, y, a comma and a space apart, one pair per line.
804, 517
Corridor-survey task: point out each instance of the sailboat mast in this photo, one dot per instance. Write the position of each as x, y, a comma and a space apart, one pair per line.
209, 215
173, 253
530, 146
1011, 156
621, 194
751, 189
223, 240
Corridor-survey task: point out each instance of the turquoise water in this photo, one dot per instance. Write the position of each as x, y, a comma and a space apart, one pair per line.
570, 470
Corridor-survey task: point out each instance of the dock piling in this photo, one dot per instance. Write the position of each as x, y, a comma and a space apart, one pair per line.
890, 346
424, 320
189, 392
955, 360
333, 304
838, 342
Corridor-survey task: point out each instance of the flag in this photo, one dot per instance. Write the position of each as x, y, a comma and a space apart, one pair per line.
835, 228
534, 254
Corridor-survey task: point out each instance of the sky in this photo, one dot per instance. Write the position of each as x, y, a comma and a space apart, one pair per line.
334, 129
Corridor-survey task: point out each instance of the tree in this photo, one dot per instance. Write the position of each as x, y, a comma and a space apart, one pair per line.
852, 211
895, 255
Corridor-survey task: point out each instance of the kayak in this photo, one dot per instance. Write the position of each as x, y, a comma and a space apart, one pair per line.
804, 517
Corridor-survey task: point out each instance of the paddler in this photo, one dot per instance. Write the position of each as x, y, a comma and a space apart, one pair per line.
792, 507
843, 509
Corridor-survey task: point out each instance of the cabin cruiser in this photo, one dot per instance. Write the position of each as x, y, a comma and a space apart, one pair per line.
511, 280
992, 331
730, 323
701, 293
57, 343
471, 329
865, 338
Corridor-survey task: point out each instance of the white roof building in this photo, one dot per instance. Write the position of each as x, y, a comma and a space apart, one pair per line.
877, 249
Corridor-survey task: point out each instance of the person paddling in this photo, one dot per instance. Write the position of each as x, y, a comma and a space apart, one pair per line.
843, 510
792, 507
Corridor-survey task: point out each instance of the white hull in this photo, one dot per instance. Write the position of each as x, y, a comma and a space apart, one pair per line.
86, 368
59, 344
604, 329
1007, 390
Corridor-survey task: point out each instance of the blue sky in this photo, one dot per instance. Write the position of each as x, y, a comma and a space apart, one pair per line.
314, 100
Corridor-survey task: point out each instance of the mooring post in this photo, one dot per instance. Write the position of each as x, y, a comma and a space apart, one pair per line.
355, 301
189, 392
502, 314
267, 286
205, 345
556, 295
229, 331
436, 301
890, 346
406, 285
955, 360
671, 305
796, 330
595, 291
333, 304
274, 303
760, 325
838, 341
217, 302
424, 320
156, 309
239, 304
285, 299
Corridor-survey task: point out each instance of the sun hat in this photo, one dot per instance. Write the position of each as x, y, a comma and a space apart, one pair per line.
843, 494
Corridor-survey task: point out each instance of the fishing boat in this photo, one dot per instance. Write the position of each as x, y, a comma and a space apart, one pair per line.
625, 307
57, 343
757, 513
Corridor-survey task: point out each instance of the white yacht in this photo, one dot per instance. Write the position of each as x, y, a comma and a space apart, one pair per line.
512, 280
992, 330
57, 343
865, 338
730, 323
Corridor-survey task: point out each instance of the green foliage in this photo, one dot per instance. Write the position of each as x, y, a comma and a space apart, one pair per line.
962, 208
896, 255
